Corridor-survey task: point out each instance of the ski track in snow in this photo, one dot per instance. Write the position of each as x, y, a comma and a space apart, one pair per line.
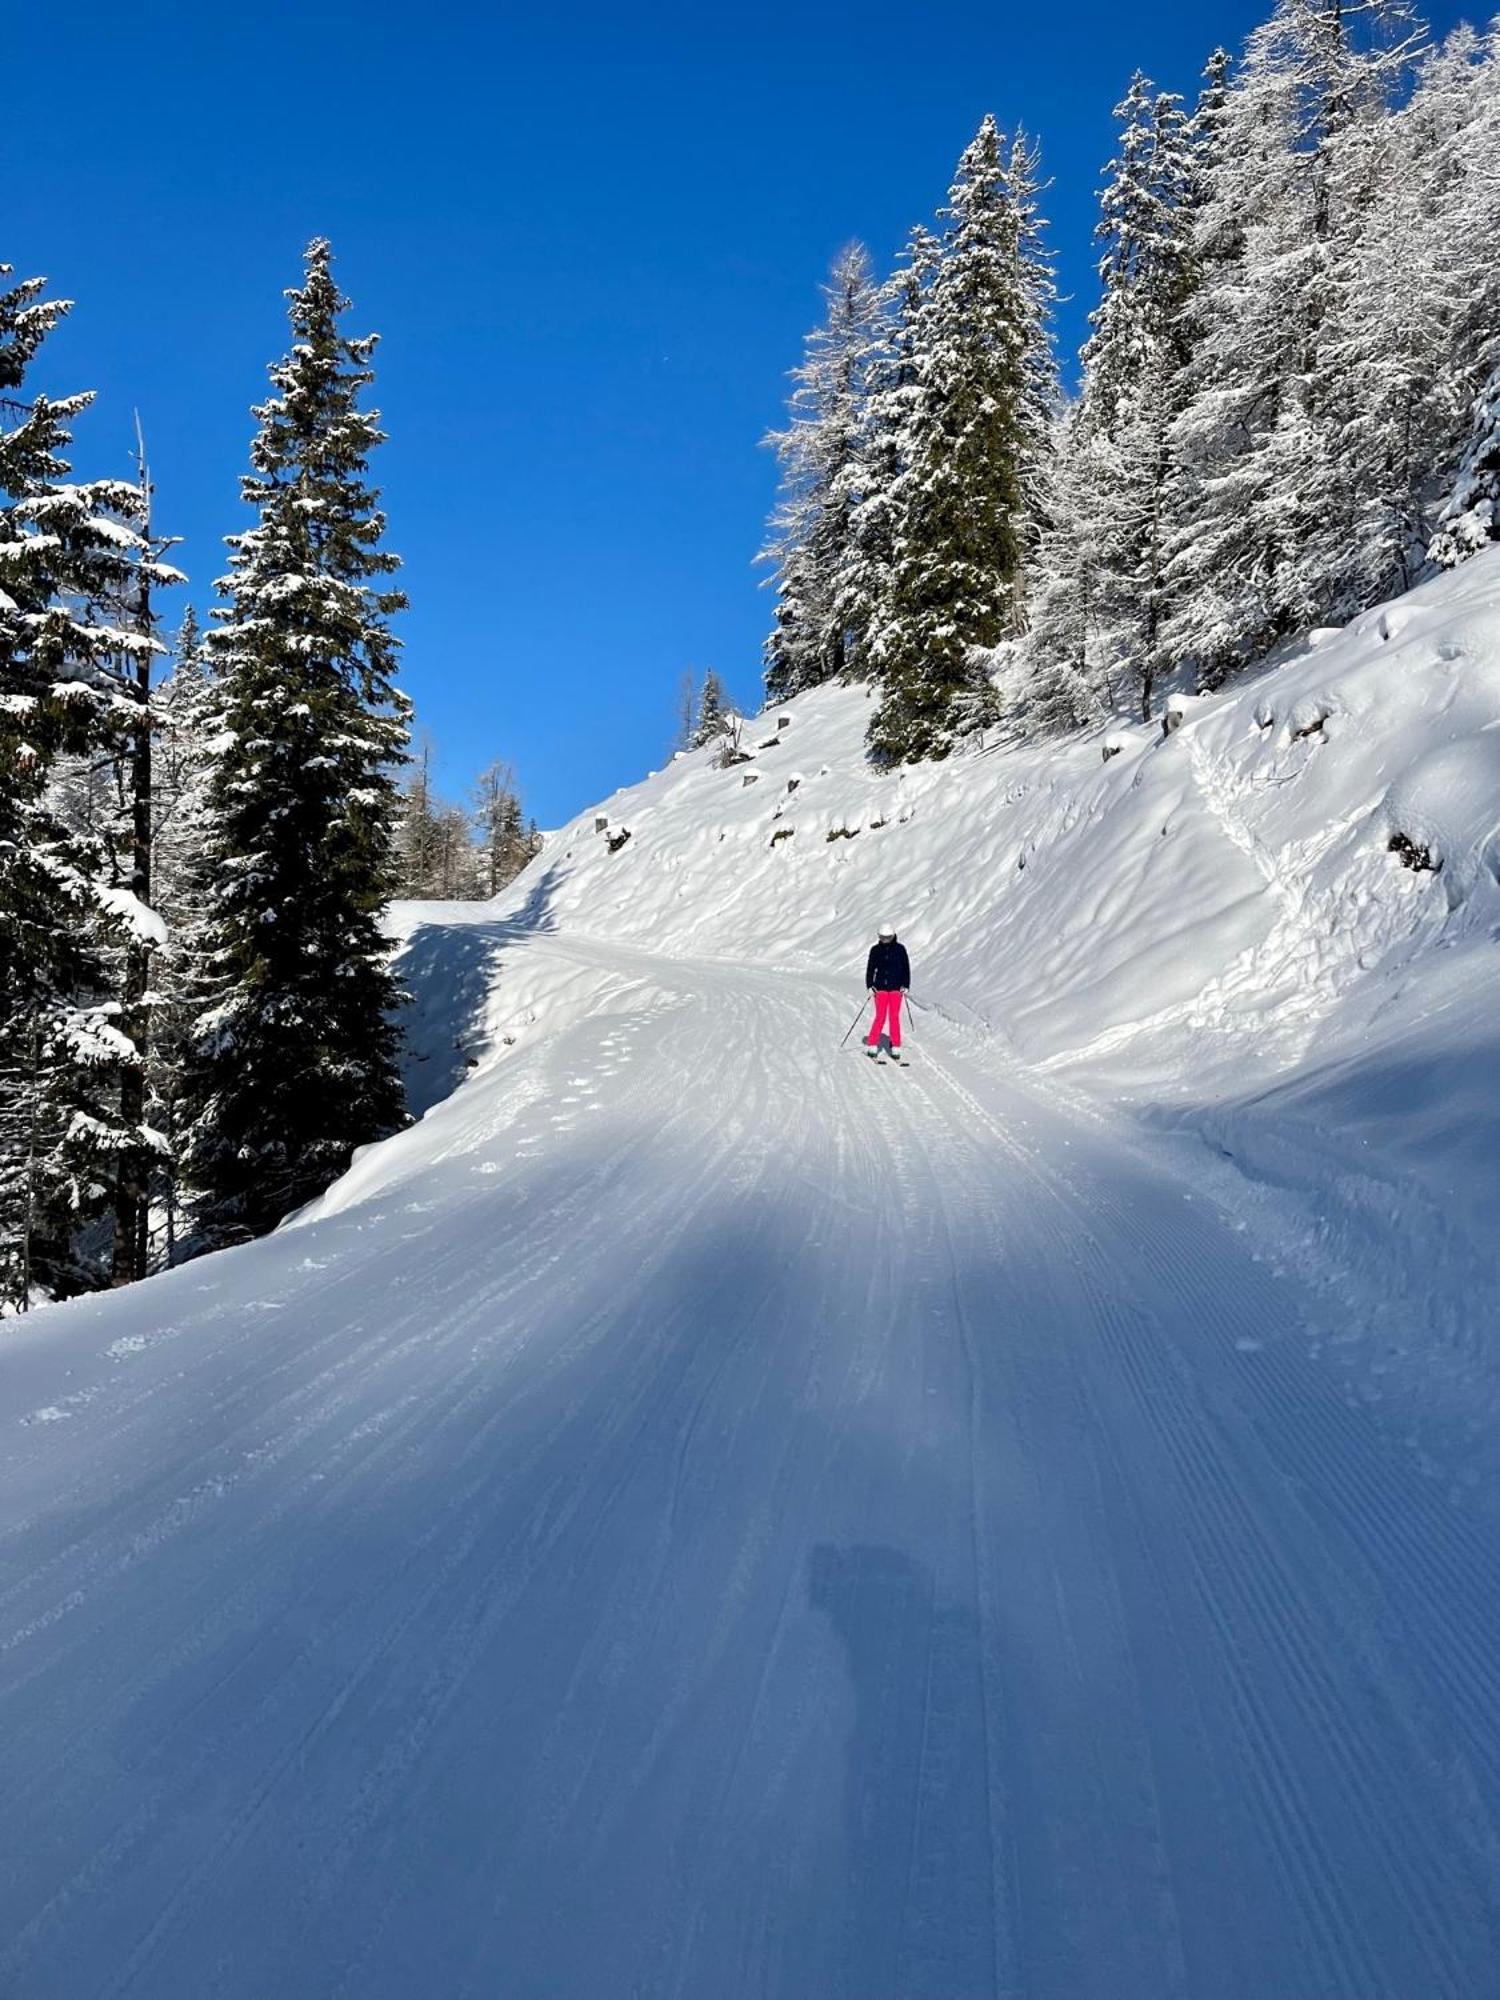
732, 1522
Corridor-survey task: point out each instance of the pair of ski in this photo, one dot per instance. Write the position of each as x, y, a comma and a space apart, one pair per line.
881, 1057
884, 1053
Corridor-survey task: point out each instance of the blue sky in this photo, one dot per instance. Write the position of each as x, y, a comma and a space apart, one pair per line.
591, 239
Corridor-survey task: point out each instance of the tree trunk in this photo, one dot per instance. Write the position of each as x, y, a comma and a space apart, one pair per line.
132, 1185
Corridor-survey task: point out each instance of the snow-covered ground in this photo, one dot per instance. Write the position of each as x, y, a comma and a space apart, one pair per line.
702, 1515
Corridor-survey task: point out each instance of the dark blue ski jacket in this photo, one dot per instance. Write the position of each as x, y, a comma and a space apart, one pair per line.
888, 969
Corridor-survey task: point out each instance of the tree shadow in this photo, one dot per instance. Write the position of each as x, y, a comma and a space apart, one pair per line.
536, 913
449, 971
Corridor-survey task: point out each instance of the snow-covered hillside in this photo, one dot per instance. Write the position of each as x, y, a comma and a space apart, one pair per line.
1210, 927
1193, 899
699, 1514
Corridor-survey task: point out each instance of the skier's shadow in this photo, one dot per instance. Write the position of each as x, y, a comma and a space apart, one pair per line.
917, 1869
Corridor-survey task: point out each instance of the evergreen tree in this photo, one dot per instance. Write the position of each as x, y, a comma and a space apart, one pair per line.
130, 896
884, 448
966, 505
821, 459
67, 554
714, 711
294, 1061
182, 771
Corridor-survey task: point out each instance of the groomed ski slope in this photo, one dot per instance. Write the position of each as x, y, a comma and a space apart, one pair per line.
701, 1515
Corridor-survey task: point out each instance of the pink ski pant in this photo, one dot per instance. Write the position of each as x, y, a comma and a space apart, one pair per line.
887, 1019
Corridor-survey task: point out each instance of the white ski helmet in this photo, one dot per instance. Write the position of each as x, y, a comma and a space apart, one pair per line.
887, 930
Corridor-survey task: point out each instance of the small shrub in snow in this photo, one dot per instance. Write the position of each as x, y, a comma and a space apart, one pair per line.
714, 715
617, 840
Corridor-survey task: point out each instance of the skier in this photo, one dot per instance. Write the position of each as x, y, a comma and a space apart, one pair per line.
887, 976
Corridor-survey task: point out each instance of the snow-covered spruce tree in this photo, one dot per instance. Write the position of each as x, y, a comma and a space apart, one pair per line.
294, 1061
67, 553
820, 456
182, 771
966, 506
1263, 523
103, 794
884, 447
714, 711
1469, 518
129, 891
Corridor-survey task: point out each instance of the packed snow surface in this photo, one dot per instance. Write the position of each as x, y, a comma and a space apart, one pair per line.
702, 1514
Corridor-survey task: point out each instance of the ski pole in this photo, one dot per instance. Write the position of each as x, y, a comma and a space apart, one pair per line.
906, 1010
855, 1022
